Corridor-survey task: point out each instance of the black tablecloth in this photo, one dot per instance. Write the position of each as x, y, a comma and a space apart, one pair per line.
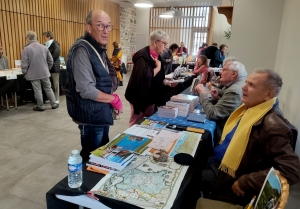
188, 193
179, 88
174, 66
21, 84
187, 196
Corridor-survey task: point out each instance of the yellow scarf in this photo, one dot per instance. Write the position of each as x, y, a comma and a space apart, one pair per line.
239, 141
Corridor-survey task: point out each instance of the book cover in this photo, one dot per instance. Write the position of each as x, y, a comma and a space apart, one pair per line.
154, 123
196, 117
130, 143
184, 98
270, 193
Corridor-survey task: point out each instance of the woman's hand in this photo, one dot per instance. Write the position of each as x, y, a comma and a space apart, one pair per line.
166, 83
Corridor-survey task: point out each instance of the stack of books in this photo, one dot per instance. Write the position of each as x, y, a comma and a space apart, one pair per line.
183, 108
192, 100
167, 111
118, 153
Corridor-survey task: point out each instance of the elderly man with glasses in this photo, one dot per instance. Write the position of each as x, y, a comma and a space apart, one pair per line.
226, 100
91, 82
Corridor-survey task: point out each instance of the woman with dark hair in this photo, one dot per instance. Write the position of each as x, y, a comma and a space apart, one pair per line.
117, 61
167, 58
201, 67
220, 56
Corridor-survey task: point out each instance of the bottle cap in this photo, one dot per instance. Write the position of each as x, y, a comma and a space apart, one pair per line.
74, 152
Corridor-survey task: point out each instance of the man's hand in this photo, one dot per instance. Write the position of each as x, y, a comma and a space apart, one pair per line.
209, 85
200, 89
214, 94
236, 189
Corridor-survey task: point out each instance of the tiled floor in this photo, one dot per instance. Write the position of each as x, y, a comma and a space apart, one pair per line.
34, 149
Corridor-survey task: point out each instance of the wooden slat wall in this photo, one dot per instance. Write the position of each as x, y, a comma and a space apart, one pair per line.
193, 28
65, 18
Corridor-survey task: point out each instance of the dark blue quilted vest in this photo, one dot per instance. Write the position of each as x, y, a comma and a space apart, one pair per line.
85, 110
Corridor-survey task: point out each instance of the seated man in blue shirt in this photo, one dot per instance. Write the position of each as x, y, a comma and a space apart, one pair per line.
255, 138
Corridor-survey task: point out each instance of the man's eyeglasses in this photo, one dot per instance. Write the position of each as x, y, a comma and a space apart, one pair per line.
164, 43
101, 26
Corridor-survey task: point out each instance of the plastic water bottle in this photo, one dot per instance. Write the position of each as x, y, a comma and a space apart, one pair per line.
75, 170
213, 79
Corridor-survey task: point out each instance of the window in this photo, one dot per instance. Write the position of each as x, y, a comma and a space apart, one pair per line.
191, 27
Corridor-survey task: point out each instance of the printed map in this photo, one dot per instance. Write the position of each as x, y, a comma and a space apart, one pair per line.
187, 143
144, 183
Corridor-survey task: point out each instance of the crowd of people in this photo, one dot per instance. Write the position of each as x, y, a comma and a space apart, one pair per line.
252, 134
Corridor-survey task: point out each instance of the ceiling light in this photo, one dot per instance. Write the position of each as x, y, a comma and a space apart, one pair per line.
166, 15
143, 4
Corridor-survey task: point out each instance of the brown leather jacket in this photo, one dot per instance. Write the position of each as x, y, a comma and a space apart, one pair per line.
268, 146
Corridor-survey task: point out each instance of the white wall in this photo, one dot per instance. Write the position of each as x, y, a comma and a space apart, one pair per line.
255, 32
142, 26
220, 25
287, 64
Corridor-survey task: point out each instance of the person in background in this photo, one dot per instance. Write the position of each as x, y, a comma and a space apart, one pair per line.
36, 60
209, 52
117, 61
91, 81
224, 101
203, 47
201, 67
54, 49
3, 60
147, 82
220, 56
182, 49
255, 138
167, 58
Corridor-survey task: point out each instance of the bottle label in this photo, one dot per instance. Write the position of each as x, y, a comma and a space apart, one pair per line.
75, 168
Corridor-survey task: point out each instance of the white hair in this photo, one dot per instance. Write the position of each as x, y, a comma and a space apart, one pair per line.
229, 59
238, 67
158, 35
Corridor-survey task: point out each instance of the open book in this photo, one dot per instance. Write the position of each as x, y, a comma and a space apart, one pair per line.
270, 192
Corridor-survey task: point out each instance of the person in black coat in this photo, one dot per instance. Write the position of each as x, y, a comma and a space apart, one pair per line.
209, 52
147, 83
54, 49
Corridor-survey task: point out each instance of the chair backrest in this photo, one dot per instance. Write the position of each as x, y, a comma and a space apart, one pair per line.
294, 132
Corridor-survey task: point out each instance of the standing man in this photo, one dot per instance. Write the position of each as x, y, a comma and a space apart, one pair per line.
54, 49
36, 61
3, 60
91, 81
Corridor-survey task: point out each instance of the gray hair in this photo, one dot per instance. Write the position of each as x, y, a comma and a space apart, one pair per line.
158, 35
229, 59
31, 35
88, 19
273, 81
239, 68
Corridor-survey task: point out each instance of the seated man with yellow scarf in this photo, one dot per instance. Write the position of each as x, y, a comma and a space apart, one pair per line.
255, 138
